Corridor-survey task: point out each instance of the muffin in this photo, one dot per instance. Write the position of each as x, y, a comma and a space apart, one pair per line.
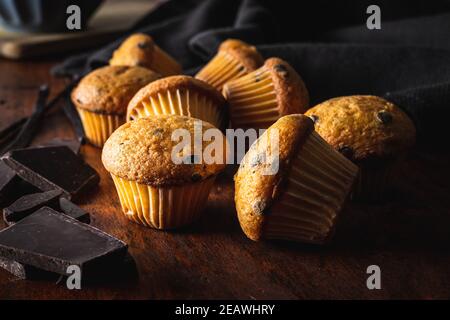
291, 185
181, 95
102, 96
373, 133
153, 188
140, 50
234, 59
261, 97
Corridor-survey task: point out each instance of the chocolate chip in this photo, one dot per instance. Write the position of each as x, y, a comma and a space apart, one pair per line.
282, 70
257, 79
259, 206
241, 68
346, 151
158, 132
314, 118
79, 101
196, 177
143, 45
384, 117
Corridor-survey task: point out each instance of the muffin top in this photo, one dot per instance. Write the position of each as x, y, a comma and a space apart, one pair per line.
243, 52
174, 83
364, 128
142, 151
291, 91
255, 187
109, 89
136, 50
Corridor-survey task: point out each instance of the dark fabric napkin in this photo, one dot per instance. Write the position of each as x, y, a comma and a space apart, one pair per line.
327, 42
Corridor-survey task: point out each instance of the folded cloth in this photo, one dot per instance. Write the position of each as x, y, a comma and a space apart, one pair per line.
328, 43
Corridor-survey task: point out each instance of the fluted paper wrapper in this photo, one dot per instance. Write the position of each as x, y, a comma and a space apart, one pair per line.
221, 69
162, 208
179, 102
252, 100
98, 127
318, 186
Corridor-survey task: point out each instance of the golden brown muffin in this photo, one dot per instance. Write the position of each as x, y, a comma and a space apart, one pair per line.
140, 50
261, 97
291, 185
154, 189
234, 59
181, 95
102, 96
370, 131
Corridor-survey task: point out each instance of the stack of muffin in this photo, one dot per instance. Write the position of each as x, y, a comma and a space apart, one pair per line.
343, 148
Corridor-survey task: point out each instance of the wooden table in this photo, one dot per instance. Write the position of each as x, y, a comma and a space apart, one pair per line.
408, 238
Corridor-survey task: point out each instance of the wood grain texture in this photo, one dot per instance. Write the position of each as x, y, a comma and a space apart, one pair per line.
408, 237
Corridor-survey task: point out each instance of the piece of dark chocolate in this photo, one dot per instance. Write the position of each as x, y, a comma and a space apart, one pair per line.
12, 186
74, 211
72, 144
26, 205
23, 271
52, 241
50, 168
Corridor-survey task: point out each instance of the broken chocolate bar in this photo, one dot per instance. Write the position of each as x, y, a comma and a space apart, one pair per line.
52, 241
23, 271
50, 168
72, 144
74, 211
12, 186
26, 205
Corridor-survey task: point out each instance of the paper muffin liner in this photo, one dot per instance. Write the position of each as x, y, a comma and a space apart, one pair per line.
318, 185
98, 127
163, 63
165, 207
252, 100
221, 69
180, 102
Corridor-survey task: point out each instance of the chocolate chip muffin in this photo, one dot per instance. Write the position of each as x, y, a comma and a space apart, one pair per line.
234, 59
102, 96
291, 185
261, 97
372, 132
159, 184
140, 50
181, 95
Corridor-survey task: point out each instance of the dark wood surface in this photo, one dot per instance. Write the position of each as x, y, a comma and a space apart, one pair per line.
408, 237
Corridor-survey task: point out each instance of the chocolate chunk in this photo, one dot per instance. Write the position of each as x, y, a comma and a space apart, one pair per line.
52, 168
259, 206
314, 118
143, 45
74, 211
26, 205
72, 144
346, 152
52, 241
23, 271
282, 70
12, 186
384, 117
196, 177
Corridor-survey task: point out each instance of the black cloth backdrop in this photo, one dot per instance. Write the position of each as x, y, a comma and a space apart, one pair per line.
327, 42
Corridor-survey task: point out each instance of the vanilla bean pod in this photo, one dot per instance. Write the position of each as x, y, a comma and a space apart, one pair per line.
28, 129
